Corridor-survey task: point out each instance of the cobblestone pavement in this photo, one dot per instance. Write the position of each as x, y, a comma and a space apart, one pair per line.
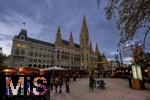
116, 89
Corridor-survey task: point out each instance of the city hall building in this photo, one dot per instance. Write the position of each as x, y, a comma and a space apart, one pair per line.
30, 52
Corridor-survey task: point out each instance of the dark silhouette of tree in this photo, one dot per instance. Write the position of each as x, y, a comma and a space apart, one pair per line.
131, 15
146, 58
2, 59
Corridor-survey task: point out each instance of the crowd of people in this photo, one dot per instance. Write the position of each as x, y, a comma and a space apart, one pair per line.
93, 83
57, 82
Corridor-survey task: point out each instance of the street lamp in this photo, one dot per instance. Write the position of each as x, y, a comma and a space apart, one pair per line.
120, 54
119, 70
146, 70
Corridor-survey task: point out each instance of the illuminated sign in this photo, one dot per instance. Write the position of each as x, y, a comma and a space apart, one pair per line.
25, 85
134, 72
137, 74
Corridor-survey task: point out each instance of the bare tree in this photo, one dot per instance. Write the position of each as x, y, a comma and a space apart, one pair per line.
132, 16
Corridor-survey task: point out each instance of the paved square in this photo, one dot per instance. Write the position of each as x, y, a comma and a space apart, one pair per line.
116, 89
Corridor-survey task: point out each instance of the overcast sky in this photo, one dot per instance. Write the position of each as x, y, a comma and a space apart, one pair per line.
43, 16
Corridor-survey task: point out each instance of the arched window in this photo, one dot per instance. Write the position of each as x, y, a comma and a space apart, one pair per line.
75, 57
67, 55
22, 52
71, 57
17, 51
51, 56
48, 55
31, 53
58, 55
40, 55
39, 61
36, 54
79, 57
62, 55
44, 55
82, 57
22, 37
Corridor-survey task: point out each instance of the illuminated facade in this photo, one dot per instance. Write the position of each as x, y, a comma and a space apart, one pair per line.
31, 52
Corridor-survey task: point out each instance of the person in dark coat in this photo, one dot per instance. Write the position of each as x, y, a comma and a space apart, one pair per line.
91, 83
56, 84
74, 77
67, 80
60, 84
52, 81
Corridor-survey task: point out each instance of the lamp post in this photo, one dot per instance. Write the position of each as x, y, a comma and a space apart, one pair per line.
146, 72
120, 54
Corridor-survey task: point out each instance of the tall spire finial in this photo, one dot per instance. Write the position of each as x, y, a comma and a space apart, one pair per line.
84, 34
91, 47
71, 35
58, 29
91, 44
97, 49
71, 44
58, 37
23, 26
84, 22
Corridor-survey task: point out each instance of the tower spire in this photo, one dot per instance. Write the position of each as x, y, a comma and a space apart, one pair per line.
71, 44
58, 37
23, 33
58, 29
91, 47
71, 37
84, 34
97, 49
84, 22
23, 26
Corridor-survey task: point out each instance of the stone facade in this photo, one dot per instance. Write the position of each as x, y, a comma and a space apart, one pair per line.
31, 52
